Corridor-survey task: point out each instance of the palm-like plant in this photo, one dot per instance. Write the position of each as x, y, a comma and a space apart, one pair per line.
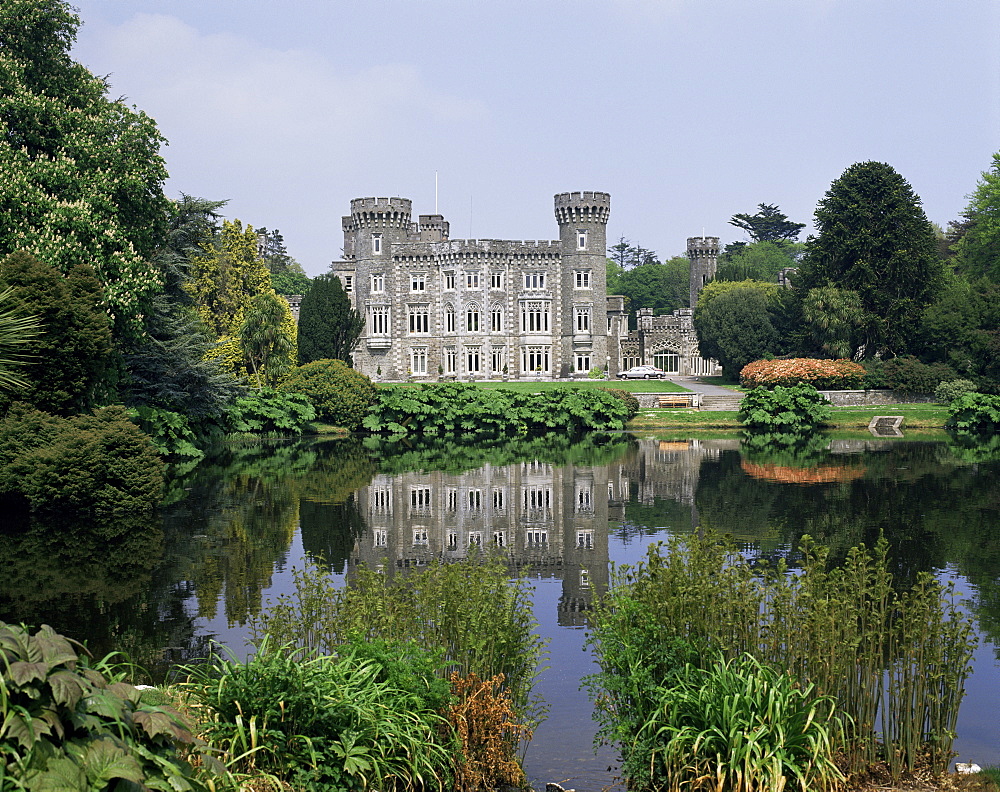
17, 329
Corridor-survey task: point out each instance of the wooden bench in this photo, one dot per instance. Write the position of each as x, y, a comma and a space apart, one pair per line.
675, 400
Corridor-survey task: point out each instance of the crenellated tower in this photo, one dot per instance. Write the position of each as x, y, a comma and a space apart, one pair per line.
374, 226
583, 221
703, 253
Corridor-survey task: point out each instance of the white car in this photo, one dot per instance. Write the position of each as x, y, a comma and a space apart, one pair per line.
643, 372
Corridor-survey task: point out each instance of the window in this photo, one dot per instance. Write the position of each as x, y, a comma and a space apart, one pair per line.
451, 498
420, 498
453, 540
496, 280
535, 537
379, 319
418, 282
450, 360
348, 283
418, 360
581, 239
419, 320
380, 537
420, 537
585, 540
500, 538
498, 360
582, 320
472, 319
498, 499
583, 279
534, 317
449, 319
534, 280
475, 499
449, 281
535, 358
472, 359
584, 498
380, 501
377, 244
472, 280
583, 362
667, 361
475, 538
537, 498
378, 283
496, 319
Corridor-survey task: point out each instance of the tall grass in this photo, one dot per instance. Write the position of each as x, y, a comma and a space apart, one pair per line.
895, 662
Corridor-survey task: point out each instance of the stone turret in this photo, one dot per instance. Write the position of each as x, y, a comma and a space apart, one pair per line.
703, 253
374, 225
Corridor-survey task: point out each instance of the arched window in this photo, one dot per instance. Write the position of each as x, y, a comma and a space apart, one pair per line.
449, 318
496, 318
472, 319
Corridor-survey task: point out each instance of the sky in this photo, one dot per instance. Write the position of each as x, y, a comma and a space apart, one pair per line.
686, 111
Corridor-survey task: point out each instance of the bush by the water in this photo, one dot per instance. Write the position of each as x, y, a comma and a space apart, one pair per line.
799, 408
98, 464
975, 413
891, 665
67, 723
266, 411
947, 392
823, 374
907, 375
629, 399
464, 409
341, 395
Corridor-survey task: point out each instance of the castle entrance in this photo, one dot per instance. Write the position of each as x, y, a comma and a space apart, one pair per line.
670, 362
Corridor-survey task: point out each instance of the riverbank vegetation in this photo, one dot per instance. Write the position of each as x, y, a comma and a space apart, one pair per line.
716, 674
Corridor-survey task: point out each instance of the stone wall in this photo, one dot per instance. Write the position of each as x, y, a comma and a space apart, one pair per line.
865, 398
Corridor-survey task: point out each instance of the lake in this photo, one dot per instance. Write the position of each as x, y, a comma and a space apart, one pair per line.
233, 529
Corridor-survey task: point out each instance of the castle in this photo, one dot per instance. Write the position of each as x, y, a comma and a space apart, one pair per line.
494, 309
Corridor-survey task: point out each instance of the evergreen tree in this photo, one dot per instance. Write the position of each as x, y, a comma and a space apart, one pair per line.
735, 328
978, 247
329, 328
874, 239
769, 224
81, 177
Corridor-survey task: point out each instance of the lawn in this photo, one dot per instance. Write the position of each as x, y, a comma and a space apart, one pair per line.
917, 416
633, 386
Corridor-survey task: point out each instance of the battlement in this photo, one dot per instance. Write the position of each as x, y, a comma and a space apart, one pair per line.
380, 213
703, 246
582, 207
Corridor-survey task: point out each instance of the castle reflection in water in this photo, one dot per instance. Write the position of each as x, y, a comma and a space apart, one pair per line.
546, 521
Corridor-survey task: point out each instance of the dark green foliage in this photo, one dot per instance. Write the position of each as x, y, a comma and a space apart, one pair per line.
169, 432
329, 327
631, 402
270, 412
325, 723
341, 395
910, 376
461, 409
758, 261
69, 724
948, 391
98, 464
975, 412
735, 328
288, 283
71, 356
978, 249
874, 239
650, 284
769, 224
799, 408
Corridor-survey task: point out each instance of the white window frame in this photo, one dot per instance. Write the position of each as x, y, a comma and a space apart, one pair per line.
378, 283
472, 279
473, 318
449, 281
582, 279
581, 239
418, 360
498, 359
534, 281
450, 360
535, 316
496, 280
473, 359
449, 318
583, 362
418, 281
376, 244
581, 319
418, 320
379, 320
496, 319
348, 284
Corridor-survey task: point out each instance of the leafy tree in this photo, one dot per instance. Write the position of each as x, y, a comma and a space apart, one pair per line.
735, 328
628, 255
329, 327
287, 275
716, 288
71, 357
833, 317
769, 224
761, 261
978, 247
874, 239
81, 177
267, 337
16, 330
290, 282
662, 287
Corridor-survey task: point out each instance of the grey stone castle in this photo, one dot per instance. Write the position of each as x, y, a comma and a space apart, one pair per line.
490, 309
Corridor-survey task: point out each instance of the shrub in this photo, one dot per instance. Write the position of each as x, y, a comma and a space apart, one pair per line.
630, 400
323, 722
911, 376
169, 431
822, 374
68, 724
341, 395
799, 408
271, 412
947, 392
974, 412
596, 373
99, 464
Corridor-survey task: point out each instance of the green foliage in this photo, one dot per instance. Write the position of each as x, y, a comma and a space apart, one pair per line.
99, 464
334, 722
734, 327
463, 409
81, 177
289, 283
329, 328
68, 724
266, 334
17, 329
270, 412
909, 375
892, 662
596, 373
799, 408
759, 261
974, 412
875, 240
169, 432
341, 395
769, 224
71, 356
629, 399
469, 609
978, 251
947, 392
833, 318
663, 288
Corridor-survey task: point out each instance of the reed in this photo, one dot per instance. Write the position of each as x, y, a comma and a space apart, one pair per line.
894, 662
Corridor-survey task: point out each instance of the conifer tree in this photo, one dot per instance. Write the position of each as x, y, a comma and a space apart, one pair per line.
329, 327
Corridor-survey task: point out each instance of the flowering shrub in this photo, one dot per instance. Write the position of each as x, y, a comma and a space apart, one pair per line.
827, 374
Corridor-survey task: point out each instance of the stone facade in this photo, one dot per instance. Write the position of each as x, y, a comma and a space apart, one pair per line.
438, 308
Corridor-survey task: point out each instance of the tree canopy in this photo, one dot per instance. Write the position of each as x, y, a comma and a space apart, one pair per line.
769, 224
978, 249
874, 239
735, 327
761, 261
81, 177
329, 327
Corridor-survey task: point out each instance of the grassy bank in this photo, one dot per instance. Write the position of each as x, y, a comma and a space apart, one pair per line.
917, 416
633, 386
